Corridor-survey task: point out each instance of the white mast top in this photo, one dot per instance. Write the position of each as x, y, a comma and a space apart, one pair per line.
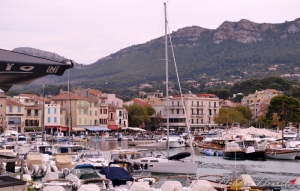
167, 77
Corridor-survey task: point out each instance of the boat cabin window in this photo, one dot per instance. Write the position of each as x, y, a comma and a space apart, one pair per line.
153, 160
21, 139
144, 160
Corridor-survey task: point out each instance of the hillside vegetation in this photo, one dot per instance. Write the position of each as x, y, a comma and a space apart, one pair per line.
243, 49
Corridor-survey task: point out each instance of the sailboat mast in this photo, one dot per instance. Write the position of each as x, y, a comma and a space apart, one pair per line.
69, 105
282, 123
167, 77
43, 115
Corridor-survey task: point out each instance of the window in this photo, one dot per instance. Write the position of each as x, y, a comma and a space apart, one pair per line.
48, 110
209, 112
172, 111
54, 110
79, 111
85, 111
120, 113
10, 109
104, 111
197, 103
215, 104
178, 103
177, 111
192, 111
100, 111
192, 103
192, 121
48, 119
197, 122
19, 109
55, 120
183, 111
36, 112
95, 113
201, 121
79, 121
90, 113
85, 121
14, 120
28, 112
111, 116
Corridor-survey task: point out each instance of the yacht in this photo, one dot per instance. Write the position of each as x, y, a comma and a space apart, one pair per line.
94, 158
175, 141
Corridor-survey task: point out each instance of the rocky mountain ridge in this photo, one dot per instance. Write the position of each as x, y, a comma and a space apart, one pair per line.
243, 49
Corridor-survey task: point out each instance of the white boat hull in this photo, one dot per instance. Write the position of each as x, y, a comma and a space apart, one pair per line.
282, 156
169, 166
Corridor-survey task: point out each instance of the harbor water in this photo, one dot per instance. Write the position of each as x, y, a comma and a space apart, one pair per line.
268, 173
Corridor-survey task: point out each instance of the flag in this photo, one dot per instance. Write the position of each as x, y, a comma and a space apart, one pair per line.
295, 181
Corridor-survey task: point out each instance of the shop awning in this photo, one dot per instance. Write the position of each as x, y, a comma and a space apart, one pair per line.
97, 128
78, 129
136, 129
113, 127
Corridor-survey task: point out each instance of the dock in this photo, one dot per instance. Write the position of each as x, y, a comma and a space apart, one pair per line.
140, 142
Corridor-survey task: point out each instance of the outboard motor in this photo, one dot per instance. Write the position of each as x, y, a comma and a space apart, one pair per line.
136, 166
44, 169
35, 169
53, 166
66, 172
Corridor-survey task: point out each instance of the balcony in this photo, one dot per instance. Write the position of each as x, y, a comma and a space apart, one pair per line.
82, 105
103, 104
212, 106
198, 114
175, 106
198, 106
174, 124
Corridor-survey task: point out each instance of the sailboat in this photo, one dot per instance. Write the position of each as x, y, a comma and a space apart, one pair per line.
277, 150
169, 164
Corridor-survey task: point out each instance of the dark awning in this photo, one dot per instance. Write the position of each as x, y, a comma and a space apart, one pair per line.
21, 69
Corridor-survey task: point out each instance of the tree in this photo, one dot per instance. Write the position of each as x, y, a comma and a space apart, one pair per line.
229, 115
138, 114
291, 108
245, 110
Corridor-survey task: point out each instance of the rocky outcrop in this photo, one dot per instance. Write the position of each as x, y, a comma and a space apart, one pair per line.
188, 32
244, 31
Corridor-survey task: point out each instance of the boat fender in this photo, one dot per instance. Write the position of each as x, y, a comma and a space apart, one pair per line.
130, 168
146, 166
136, 166
142, 166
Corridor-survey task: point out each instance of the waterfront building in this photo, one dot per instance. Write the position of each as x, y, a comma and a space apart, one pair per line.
259, 101
84, 110
111, 112
15, 116
2, 111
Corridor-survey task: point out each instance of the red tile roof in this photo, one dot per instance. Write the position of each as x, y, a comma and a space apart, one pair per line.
65, 96
95, 92
35, 97
140, 101
11, 102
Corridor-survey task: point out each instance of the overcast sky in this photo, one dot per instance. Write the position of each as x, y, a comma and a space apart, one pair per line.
86, 30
